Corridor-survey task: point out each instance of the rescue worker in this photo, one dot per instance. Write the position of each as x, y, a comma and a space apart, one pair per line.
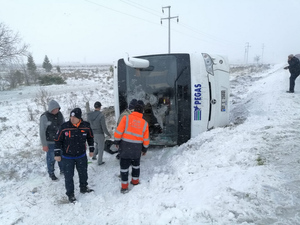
70, 149
132, 139
126, 111
50, 121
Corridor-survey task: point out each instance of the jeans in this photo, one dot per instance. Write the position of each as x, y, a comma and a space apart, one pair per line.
51, 161
69, 168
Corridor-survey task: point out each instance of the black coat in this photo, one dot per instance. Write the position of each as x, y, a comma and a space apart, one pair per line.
71, 140
294, 66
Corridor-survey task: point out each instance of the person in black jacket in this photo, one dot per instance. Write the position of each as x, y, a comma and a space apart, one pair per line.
294, 68
70, 149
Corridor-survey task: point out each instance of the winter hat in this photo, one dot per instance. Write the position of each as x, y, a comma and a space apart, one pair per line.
139, 108
140, 102
291, 56
76, 112
132, 104
97, 104
53, 105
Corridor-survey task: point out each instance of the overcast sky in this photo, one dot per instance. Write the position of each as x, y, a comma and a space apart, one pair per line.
102, 31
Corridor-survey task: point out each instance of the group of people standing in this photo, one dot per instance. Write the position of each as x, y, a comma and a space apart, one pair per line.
65, 142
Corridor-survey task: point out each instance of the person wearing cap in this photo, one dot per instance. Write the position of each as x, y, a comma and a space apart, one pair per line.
126, 112
98, 125
132, 140
294, 68
70, 150
50, 121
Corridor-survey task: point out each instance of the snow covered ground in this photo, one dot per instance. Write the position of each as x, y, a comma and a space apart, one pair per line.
245, 173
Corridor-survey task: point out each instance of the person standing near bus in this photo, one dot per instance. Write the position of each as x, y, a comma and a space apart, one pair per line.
126, 111
294, 68
98, 125
132, 140
70, 149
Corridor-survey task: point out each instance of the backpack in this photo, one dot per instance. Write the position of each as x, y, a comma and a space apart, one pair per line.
107, 146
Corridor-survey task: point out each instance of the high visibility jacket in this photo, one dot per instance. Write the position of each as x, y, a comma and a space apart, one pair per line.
132, 136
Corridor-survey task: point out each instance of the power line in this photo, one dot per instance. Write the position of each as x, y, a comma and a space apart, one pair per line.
147, 9
119, 11
155, 13
141, 7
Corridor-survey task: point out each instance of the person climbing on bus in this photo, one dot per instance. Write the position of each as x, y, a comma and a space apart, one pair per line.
154, 127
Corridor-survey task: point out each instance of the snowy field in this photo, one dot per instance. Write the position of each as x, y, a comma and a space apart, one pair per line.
245, 173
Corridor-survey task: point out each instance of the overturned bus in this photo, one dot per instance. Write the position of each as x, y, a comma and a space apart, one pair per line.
184, 94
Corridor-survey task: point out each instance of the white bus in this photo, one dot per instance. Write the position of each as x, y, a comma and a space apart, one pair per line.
184, 94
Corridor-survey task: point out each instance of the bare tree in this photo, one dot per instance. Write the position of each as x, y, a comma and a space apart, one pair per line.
10, 45
42, 98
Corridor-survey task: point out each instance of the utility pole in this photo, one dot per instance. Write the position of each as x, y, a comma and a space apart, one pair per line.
169, 18
247, 52
262, 53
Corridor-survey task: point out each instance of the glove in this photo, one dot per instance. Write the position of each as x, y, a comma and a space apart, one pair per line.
144, 150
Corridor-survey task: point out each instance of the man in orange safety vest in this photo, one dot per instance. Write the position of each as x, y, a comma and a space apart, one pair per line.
132, 139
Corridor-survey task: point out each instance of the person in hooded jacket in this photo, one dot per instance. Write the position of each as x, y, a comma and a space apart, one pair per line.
70, 149
50, 121
98, 125
132, 139
294, 68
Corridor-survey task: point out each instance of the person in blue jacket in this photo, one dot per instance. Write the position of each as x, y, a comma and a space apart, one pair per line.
70, 149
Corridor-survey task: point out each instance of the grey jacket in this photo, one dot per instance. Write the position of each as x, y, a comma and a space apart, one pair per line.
97, 121
48, 120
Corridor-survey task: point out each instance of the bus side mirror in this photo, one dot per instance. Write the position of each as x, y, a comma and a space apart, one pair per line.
136, 63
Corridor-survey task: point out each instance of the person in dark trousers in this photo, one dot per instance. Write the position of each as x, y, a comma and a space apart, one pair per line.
132, 139
294, 68
98, 125
70, 149
50, 121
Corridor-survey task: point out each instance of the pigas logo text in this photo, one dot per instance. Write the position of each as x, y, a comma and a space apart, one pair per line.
197, 102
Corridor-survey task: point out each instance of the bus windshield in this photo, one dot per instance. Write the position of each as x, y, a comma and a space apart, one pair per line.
155, 87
